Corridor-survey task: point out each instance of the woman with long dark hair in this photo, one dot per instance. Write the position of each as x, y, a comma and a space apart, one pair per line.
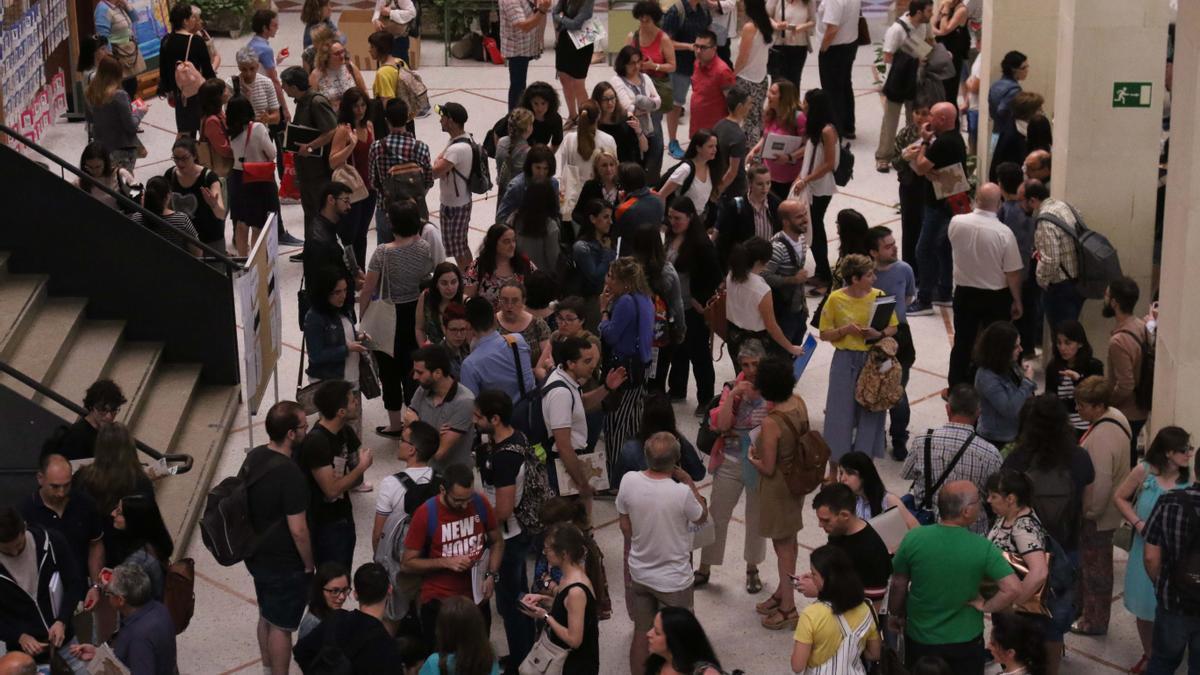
678, 644
95, 162
647, 248
1003, 382
328, 592
578, 151
748, 305
1166, 467
536, 225
213, 96
750, 66
694, 256
251, 202
183, 43
694, 172
446, 289
857, 471
627, 330
637, 94
335, 347
351, 145
542, 99
571, 62
782, 116
500, 260
840, 625
159, 200
1071, 363
463, 647
570, 614
1016, 645
852, 230
815, 184
146, 542
188, 177
621, 124
593, 252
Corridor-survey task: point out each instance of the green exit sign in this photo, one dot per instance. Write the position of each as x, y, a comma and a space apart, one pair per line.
1131, 95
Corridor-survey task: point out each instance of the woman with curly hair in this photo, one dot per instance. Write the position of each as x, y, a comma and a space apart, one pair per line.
499, 261
542, 99
627, 331
334, 73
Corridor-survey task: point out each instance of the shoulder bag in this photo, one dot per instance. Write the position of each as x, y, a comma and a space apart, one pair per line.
209, 158
379, 321
546, 658
347, 174
922, 512
255, 172
187, 78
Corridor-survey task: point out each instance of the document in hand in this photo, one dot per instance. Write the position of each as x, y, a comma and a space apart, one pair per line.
296, 134
779, 146
801, 362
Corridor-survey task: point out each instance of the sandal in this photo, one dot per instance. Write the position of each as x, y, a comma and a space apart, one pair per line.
1080, 628
700, 579
768, 606
778, 620
753, 583
1140, 667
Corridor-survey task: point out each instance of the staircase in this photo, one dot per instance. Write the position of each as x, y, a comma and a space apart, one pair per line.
51, 340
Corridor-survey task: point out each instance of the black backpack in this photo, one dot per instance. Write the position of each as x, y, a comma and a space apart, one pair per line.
331, 659
682, 189
1143, 390
479, 181
901, 83
1096, 256
844, 170
1185, 569
1055, 501
226, 528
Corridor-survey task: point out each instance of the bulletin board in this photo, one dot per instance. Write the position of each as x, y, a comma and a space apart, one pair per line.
35, 48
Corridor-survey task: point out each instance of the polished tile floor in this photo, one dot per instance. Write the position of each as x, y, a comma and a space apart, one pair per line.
221, 637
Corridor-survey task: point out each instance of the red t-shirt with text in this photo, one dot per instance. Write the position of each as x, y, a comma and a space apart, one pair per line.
457, 533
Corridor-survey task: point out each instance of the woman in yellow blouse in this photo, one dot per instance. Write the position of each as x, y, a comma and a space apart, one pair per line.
846, 323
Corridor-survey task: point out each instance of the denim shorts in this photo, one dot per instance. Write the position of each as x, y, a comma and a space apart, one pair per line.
680, 84
282, 596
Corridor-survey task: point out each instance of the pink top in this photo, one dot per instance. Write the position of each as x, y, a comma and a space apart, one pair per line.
783, 172
213, 132
652, 52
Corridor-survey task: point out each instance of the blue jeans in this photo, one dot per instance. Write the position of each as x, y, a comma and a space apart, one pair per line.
1061, 302
1173, 633
513, 583
933, 255
518, 74
334, 542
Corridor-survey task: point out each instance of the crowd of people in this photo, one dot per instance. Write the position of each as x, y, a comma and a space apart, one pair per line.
528, 378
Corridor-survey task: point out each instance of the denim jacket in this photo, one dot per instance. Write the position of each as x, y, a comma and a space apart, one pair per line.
592, 260
326, 340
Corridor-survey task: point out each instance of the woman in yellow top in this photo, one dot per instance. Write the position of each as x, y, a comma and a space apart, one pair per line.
846, 323
835, 631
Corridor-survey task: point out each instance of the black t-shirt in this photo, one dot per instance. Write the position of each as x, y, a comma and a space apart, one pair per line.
208, 226
628, 147
79, 442
548, 131
947, 148
500, 463
80, 523
869, 555
1082, 474
282, 492
324, 448
361, 637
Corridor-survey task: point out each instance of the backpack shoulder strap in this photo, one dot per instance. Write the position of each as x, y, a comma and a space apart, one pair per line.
953, 462
1059, 223
512, 342
431, 523
928, 479
557, 384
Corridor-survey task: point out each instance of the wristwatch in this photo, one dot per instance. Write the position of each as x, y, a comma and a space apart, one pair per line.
491, 575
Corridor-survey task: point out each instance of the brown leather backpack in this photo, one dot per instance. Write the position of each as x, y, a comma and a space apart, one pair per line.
805, 471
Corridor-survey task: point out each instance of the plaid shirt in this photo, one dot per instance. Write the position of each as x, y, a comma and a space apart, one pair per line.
980, 461
516, 42
394, 149
1057, 260
1172, 525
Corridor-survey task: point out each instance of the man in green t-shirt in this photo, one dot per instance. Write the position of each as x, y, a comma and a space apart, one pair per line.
935, 584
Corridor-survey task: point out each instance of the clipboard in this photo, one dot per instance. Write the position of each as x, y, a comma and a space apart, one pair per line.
296, 134
779, 146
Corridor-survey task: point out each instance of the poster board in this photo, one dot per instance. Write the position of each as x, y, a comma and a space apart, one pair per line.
257, 293
149, 25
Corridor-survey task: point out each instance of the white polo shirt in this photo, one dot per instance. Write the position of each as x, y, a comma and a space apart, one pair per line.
843, 14
562, 408
983, 250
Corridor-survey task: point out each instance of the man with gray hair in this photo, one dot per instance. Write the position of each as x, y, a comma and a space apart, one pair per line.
987, 276
936, 574
657, 517
955, 452
145, 642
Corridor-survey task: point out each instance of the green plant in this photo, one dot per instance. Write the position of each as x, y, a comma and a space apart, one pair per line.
458, 22
210, 8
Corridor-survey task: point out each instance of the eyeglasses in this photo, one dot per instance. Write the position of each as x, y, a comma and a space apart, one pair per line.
608, 99
704, 47
568, 318
342, 592
179, 159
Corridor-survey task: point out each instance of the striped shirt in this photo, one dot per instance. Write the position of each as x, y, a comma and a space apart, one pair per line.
401, 270
261, 93
780, 267
180, 224
1057, 260
980, 461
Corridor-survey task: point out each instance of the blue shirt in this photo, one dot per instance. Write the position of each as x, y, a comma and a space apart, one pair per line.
1000, 401
630, 327
900, 282
146, 641
431, 665
266, 55
491, 365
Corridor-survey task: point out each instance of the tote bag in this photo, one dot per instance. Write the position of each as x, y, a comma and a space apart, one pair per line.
379, 321
546, 658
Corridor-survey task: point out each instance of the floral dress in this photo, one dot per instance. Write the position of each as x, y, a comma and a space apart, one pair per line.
489, 285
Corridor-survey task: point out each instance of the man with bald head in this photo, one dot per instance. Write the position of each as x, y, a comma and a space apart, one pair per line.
17, 663
941, 151
72, 514
1037, 165
936, 574
785, 272
987, 276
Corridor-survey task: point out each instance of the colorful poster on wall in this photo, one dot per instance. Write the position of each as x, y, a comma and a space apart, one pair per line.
149, 24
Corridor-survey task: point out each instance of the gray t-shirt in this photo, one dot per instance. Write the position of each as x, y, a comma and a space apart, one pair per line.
454, 412
731, 142
898, 281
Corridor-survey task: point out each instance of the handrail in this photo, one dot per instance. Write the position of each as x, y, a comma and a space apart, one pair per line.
74, 407
230, 265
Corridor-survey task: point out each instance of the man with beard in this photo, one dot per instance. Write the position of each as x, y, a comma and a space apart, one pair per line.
444, 403
1126, 349
1058, 263
896, 278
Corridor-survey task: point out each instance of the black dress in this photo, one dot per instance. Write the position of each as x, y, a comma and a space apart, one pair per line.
568, 58
584, 659
628, 148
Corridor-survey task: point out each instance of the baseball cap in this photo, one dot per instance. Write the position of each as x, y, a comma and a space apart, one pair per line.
454, 111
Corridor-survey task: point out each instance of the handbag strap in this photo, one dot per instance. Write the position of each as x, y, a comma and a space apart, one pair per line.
512, 342
188, 51
945, 474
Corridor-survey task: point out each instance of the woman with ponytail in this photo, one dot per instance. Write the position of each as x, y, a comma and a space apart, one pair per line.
578, 149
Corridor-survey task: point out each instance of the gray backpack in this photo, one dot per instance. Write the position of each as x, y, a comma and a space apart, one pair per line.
1098, 261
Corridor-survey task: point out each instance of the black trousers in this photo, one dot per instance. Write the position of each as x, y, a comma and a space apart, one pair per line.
964, 658
835, 66
820, 242
912, 209
696, 351
974, 310
395, 372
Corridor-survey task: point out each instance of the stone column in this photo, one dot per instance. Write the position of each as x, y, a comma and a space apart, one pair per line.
1178, 348
1030, 27
1105, 155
